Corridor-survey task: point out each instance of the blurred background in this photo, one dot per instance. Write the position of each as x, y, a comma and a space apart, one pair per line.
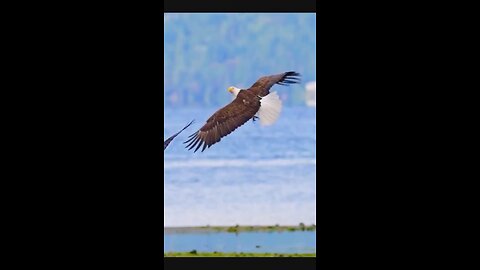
256, 175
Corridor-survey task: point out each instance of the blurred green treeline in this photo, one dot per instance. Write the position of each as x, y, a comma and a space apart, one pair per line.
206, 53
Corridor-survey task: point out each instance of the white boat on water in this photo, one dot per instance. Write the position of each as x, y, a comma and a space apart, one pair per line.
311, 94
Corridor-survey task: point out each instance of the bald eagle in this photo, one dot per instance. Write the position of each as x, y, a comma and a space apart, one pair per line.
167, 142
252, 103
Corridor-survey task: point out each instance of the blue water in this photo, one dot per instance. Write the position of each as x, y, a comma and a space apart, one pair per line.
271, 242
254, 176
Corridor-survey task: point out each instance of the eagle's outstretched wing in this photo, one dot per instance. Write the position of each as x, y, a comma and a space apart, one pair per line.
262, 86
238, 112
223, 122
165, 144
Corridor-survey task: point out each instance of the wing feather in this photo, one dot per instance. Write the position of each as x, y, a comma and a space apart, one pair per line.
169, 140
223, 122
262, 86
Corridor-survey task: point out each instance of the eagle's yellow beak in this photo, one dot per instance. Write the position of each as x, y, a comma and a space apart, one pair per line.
230, 89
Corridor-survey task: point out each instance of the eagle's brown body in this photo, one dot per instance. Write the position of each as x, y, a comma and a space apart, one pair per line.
243, 108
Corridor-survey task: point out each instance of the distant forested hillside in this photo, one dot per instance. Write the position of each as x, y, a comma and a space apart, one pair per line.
207, 53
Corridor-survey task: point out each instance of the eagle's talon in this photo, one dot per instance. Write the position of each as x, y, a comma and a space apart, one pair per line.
254, 118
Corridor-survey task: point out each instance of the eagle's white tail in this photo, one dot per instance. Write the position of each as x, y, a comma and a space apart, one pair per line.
270, 108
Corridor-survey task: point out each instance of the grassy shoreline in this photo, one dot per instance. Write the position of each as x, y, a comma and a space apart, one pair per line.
241, 254
238, 229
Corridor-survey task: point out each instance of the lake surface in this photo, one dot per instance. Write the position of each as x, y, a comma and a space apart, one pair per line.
254, 176
268, 242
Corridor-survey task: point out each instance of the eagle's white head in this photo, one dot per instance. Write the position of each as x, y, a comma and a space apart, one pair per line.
234, 90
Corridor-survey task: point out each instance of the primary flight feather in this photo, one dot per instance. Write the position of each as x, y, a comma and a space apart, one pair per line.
167, 142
